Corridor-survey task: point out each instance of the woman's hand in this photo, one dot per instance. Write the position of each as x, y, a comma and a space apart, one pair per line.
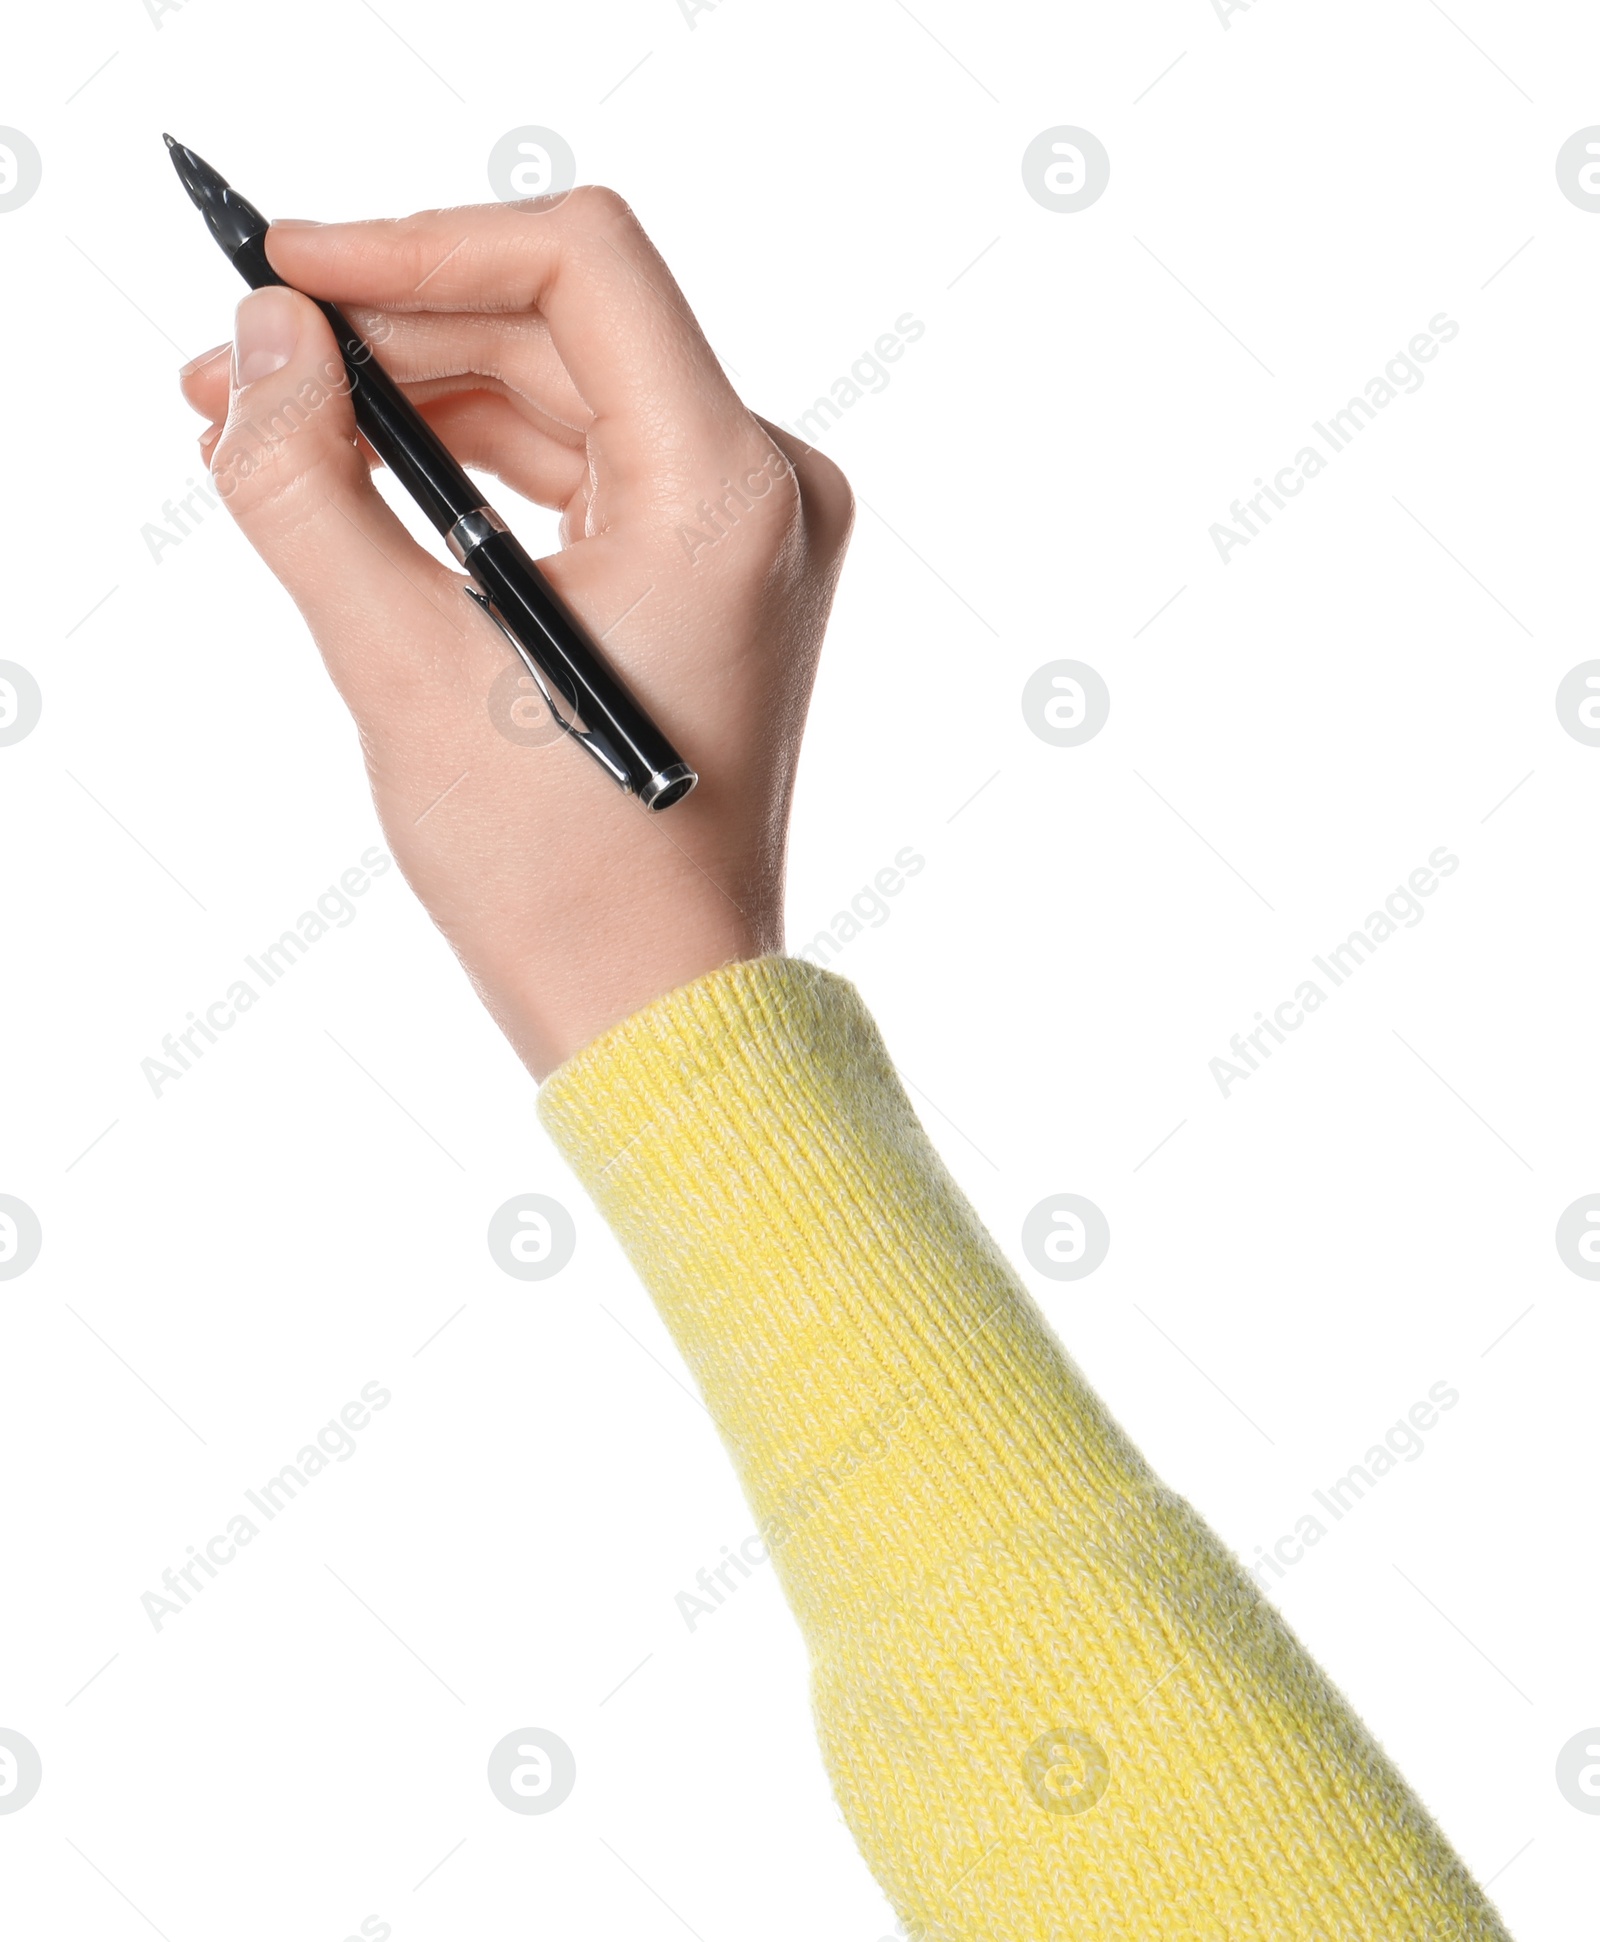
548, 345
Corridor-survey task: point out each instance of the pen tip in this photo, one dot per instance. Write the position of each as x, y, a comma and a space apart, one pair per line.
169, 141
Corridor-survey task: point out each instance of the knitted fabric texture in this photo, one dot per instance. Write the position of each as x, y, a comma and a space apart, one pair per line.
1051, 1703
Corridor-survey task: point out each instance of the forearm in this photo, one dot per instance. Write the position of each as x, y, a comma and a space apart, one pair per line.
1050, 1701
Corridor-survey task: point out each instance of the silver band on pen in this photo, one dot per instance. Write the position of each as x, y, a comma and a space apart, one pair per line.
472, 529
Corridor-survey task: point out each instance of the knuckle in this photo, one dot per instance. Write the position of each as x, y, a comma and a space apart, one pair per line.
261, 477
601, 200
275, 442
828, 497
397, 241
595, 206
416, 243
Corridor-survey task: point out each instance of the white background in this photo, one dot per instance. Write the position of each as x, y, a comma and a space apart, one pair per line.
1370, 1214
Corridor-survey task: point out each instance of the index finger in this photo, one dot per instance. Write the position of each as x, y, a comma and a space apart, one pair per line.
616, 316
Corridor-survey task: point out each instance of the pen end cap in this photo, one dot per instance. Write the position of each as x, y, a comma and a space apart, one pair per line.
668, 786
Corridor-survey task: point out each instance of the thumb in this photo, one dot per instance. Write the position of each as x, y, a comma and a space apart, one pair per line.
298, 485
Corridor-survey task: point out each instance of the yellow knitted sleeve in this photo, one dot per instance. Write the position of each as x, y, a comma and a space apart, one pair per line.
1051, 1703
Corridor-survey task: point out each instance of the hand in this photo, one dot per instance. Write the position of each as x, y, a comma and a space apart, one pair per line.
548, 345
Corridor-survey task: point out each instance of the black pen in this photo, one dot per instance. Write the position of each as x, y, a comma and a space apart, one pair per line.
604, 717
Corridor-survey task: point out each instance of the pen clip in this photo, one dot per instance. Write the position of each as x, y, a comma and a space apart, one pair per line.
590, 739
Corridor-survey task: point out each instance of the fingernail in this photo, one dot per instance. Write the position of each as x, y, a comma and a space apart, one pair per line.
266, 329
205, 357
294, 222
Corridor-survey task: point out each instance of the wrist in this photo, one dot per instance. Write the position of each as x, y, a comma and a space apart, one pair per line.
591, 992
